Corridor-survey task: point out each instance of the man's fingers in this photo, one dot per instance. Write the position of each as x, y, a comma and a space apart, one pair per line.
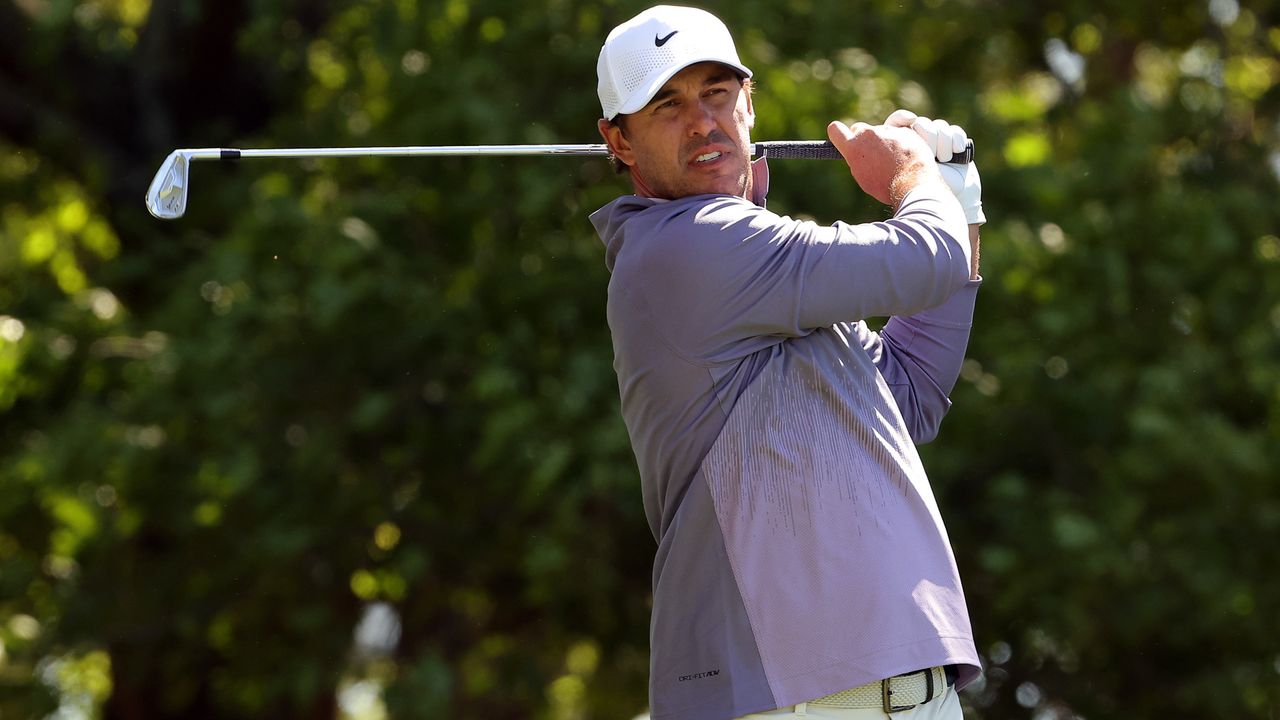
953, 137
944, 139
844, 133
943, 142
839, 133
925, 129
935, 136
842, 136
901, 118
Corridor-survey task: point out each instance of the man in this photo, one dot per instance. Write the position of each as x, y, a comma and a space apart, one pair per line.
802, 564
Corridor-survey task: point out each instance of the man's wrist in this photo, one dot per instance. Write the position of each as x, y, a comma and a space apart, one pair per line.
903, 183
975, 250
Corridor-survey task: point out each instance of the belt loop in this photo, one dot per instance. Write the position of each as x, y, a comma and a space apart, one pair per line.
802, 709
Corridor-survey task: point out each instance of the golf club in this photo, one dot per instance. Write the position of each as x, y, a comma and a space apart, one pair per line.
167, 196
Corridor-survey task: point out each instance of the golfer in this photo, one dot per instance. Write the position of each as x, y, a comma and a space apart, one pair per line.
802, 568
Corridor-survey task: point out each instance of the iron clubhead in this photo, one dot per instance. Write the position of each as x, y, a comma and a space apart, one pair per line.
167, 196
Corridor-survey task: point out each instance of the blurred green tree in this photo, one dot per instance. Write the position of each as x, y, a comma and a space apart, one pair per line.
338, 386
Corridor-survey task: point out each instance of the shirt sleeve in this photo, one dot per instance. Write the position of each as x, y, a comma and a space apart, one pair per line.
920, 356
723, 277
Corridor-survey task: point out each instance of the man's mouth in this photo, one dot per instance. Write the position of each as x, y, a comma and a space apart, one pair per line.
708, 157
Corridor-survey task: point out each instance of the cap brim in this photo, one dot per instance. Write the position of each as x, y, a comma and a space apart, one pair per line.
639, 99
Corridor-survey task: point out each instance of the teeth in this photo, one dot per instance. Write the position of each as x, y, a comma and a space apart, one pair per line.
709, 156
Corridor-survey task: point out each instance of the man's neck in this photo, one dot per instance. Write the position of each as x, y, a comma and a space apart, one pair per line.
641, 188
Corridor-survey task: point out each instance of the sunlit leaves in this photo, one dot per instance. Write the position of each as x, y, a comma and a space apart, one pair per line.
1251, 76
83, 681
567, 694
386, 383
1157, 74
1027, 148
328, 71
1035, 94
55, 236
386, 536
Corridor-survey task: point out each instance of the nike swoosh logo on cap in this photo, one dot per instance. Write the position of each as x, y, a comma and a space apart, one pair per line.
659, 42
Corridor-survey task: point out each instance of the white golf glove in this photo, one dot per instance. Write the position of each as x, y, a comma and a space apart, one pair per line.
948, 140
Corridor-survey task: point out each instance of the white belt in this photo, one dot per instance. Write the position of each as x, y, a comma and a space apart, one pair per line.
895, 694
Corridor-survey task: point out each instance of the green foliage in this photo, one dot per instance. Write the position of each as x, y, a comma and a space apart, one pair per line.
342, 383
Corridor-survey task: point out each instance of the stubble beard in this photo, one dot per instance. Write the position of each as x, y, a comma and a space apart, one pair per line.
741, 148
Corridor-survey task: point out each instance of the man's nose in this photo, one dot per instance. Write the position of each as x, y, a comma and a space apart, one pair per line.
702, 119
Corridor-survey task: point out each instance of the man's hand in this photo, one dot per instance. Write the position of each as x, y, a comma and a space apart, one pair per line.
943, 138
887, 162
947, 140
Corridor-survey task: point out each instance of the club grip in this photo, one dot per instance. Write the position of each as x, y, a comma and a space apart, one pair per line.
824, 150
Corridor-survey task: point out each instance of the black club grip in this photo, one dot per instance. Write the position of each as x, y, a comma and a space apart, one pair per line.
824, 150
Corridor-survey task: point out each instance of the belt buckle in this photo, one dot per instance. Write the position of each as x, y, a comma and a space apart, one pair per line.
886, 702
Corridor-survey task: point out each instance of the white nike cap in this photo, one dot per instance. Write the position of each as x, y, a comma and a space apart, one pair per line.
642, 54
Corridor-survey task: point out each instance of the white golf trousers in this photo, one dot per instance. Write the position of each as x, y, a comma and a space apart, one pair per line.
944, 707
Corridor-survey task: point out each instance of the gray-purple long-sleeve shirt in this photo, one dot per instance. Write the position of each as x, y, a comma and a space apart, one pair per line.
800, 548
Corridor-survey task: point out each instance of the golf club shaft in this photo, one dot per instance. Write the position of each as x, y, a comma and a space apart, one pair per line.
167, 195
780, 149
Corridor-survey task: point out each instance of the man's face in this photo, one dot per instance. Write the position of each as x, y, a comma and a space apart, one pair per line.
693, 138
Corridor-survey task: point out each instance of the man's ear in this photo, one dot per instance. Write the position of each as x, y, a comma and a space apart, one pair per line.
617, 142
751, 112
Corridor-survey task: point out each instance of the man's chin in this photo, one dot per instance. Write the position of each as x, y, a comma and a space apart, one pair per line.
736, 187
